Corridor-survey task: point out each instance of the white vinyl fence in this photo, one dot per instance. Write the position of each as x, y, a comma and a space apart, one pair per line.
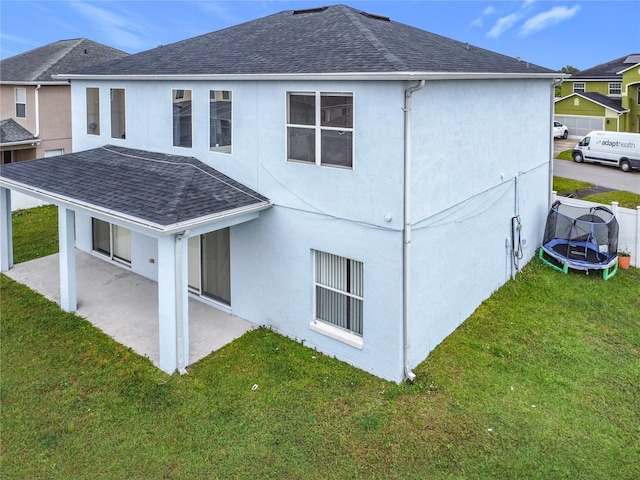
19, 201
628, 222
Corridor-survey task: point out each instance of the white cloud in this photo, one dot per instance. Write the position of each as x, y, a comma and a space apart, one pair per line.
479, 22
122, 30
548, 19
503, 24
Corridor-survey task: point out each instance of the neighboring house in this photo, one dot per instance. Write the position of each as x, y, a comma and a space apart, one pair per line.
383, 218
605, 97
38, 103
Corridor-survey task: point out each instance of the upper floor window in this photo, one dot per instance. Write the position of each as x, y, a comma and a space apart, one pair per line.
615, 88
21, 102
320, 128
638, 95
220, 109
578, 87
118, 129
181, 118
93, 111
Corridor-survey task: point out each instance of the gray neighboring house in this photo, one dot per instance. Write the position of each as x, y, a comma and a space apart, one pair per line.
397, 201
39, 103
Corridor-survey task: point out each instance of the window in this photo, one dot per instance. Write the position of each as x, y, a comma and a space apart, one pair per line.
220, 121
54, 152
638, 95
7, 157
111, 240
117, 113
339, 291
181, 118
93, 111
324, 135
21, 102
615, 88
578, 87
210, 265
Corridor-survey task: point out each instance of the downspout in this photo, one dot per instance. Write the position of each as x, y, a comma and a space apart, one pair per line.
37, 100
180, 353
556, 82
406, 231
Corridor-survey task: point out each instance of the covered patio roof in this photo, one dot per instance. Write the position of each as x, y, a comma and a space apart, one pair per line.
168, 197
155, 192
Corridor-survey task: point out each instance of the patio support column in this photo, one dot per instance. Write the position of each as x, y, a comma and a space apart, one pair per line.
167, 305
6, 235
67, 257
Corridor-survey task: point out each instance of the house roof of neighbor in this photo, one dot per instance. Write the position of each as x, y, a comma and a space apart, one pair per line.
159, 189
608, 70
609, 102
39, 64
328, 40
12, 132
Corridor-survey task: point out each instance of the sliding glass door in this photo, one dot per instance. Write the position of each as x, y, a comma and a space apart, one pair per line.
209, 265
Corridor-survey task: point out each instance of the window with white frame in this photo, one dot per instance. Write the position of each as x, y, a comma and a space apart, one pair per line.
182, 130
118, 117
111, 240
578, 87
615, 88
21, 102
320, 128
638, 96
220, 110
93, 111
339, 291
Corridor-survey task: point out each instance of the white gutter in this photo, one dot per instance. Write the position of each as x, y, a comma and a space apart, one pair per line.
557, 81
18, 82
406, 231
411, 76
34, 141
37, 100
129, 221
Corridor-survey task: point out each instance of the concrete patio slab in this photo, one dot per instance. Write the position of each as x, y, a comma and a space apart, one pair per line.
125, 305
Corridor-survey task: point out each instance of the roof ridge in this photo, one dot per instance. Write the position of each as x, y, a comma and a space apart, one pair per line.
375, 42
52, 61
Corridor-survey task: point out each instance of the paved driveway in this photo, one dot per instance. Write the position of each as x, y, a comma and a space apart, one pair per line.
601, 175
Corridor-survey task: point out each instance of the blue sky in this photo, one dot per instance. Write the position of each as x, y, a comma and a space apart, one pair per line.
550, 33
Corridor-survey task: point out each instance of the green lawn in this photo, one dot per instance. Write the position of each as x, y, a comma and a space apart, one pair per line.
543, 381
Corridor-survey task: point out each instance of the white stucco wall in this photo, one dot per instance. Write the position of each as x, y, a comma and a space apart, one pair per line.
466, 167
470, 139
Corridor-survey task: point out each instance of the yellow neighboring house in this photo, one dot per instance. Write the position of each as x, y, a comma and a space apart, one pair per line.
604, 97
35, 108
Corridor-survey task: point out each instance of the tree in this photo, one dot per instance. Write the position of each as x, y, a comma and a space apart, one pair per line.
569, 69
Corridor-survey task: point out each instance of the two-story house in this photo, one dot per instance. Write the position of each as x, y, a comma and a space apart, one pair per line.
309, 171
35, 107
604, 97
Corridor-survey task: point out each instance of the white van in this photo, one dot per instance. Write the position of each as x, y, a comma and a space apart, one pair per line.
613, 148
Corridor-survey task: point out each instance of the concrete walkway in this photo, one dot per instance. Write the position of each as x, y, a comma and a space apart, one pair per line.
125, 305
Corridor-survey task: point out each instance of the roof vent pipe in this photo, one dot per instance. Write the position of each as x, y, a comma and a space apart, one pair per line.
406, 231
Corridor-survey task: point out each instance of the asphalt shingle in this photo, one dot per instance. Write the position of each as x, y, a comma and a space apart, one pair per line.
12, 132
39, 64
159, 188
334, 39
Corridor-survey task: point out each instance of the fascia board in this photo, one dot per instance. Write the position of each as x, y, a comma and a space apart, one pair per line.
372, 76
33, 83
35, 141
129, 221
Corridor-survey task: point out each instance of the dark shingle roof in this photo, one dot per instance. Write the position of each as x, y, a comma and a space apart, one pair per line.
11, 132
64, 56
335, 39
609, 102
608, 70
154, 187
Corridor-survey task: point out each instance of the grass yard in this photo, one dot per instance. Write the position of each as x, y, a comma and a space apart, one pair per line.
542, 382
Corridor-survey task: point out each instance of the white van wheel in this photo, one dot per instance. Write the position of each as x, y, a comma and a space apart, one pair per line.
625, 166
578, 158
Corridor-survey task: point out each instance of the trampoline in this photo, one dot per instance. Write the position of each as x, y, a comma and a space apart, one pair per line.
580, 238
